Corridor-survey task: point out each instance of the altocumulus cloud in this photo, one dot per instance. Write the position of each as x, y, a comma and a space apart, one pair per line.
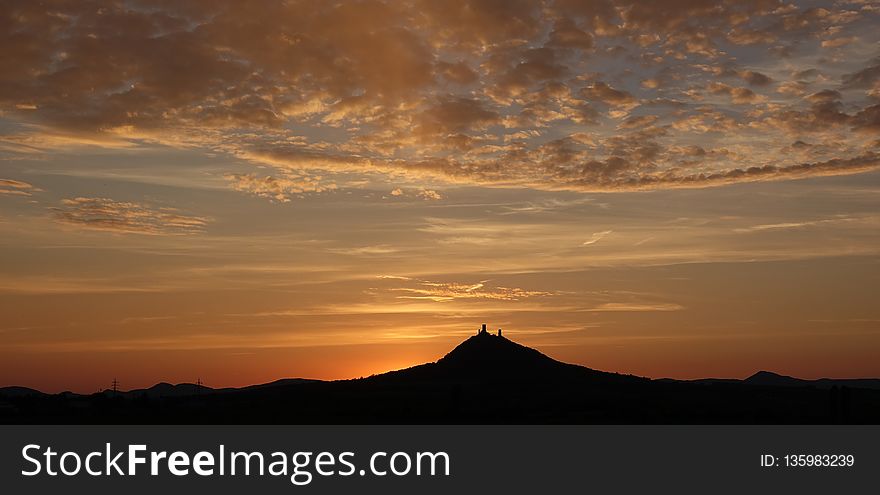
280, 188
528, 93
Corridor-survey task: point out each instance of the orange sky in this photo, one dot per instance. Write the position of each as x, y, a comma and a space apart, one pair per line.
308, 189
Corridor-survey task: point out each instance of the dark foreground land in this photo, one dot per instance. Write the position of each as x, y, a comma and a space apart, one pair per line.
487, 379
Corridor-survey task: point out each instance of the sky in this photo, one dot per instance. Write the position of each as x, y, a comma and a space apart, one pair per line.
237, 193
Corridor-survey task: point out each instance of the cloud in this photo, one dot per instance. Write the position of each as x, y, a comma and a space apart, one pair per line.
755, 78
604, 93
838, 42
737, 95
863, 78
366, 250
425, 194
825, 112
11, 187
279, 188
526, 93
452, 291
125, 217
456, 114
567, 34
808, 223
392, 277
867, 120
619, 174
429, 194
635, 307
636, 122
596, 237
458, 72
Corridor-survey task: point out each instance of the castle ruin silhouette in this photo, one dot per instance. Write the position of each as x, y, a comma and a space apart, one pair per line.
482, 331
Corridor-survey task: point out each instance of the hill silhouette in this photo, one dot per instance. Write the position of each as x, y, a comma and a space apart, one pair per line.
486, 379
492, 358
777, 380
486, 353
168, 390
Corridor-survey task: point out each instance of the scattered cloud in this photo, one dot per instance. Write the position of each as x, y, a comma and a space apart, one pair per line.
737, 95
10, 187
636, 122
425, 194
430, 195
472, 92
279, 189
755, 78
125, 217
600, 91
838, 42
863, 78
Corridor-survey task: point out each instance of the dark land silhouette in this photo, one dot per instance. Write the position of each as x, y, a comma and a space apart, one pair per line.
487, 379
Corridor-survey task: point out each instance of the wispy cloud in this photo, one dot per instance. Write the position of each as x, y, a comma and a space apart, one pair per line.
807, 223
452, 291
126, 217
365, 250
51, 284
596, 237
10, 187
635, 307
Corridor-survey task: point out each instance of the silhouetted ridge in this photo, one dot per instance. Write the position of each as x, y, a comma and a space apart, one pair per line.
770, 379
18, 392
773, 379
164, 389
487, 379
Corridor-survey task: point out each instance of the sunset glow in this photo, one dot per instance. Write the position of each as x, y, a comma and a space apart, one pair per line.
315, 189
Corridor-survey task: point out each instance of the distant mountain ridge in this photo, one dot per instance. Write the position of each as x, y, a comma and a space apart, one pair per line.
483, 357
486, 379
159, 390
15, 391
777, 380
